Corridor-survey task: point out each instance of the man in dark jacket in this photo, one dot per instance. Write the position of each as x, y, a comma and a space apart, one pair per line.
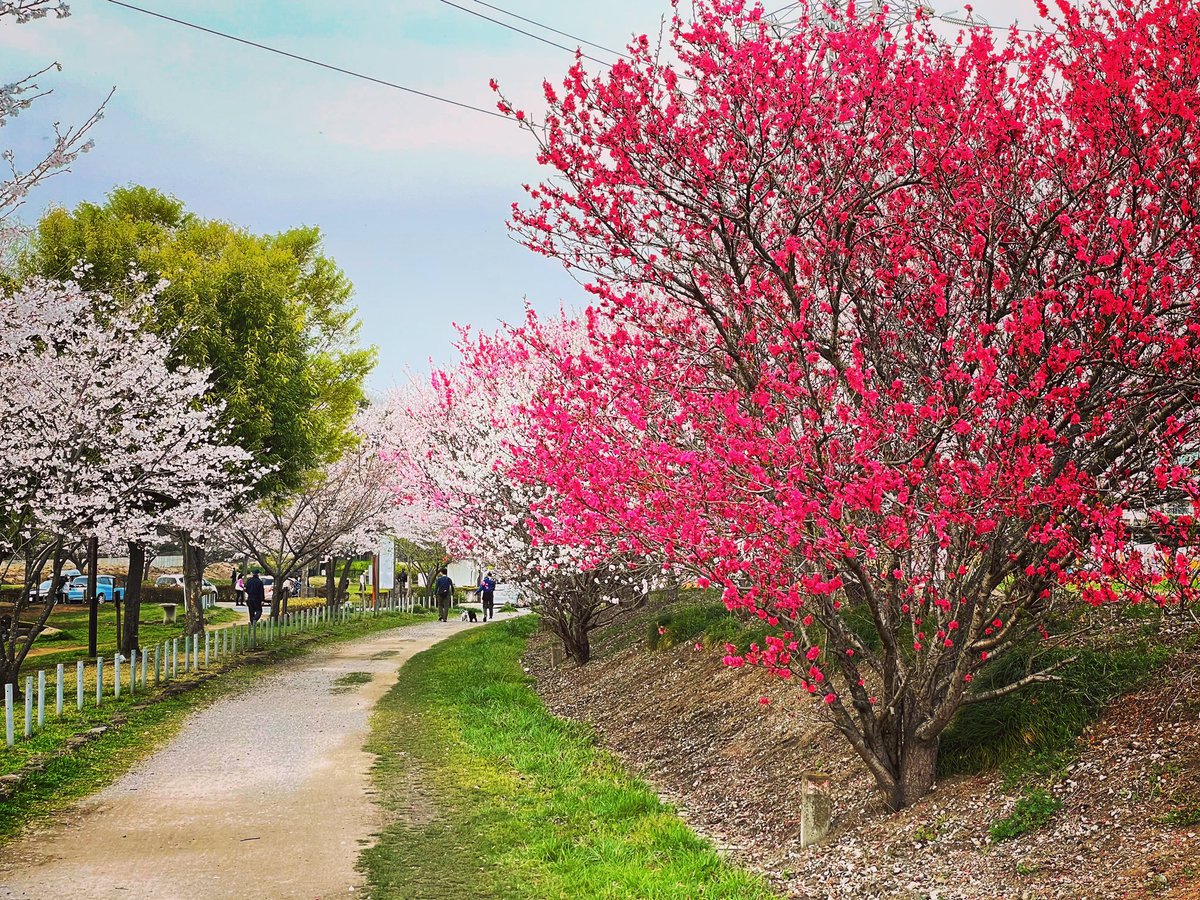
487, 593
443, 589
256, 596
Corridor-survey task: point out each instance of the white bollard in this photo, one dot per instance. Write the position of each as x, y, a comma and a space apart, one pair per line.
195, 652
28, 705
79, 685
174, 657
99, 679
58, 692
41, 697
133, 666
8, 715
144, 654
156, 648
116, 676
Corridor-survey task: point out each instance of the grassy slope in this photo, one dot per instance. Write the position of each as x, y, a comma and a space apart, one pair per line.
517, 803
99, 762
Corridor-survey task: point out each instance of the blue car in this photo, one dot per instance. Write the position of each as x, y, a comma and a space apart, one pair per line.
107, 589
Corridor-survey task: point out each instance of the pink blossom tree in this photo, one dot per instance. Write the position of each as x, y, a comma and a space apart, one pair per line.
899, 330
453, 445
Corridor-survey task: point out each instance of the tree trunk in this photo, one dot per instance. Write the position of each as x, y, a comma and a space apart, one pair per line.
574, 633
133, 597
912, 771
343, 587
331, 597
193, 578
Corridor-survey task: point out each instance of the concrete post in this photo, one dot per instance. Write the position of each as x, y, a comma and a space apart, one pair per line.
28, 705
174, 667
156, 661
79, 685
816, 807
99, 679
133, 669
116, 676
41, 698
195, 652
9, 737
207, 645
143, 668
58, 693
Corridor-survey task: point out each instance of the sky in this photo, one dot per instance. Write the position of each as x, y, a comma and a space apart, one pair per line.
411, 195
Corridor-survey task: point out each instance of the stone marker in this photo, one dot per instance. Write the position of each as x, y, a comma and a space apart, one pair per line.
816, 807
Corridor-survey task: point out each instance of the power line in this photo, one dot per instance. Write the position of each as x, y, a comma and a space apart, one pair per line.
976, 23
549, 28
311, 62
529, 34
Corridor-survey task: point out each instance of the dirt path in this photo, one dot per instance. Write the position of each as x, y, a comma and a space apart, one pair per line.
210, 815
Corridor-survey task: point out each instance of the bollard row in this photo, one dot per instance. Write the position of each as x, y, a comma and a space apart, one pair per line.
163, 661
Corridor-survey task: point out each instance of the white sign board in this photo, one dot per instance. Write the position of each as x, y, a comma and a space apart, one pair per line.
387, 564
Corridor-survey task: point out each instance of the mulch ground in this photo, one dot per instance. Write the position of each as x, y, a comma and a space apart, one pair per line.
732, 767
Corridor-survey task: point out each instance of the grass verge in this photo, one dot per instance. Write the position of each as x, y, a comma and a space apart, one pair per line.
492, 796
139, 725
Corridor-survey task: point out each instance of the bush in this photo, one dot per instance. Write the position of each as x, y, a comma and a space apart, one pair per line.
682, 624
1033, 810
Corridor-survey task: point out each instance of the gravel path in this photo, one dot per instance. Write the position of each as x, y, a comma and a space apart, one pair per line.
264, 794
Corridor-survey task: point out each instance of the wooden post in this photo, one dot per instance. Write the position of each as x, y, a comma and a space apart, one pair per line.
816, 807
93, 555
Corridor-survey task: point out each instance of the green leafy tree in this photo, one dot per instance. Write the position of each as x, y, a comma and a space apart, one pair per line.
269, 315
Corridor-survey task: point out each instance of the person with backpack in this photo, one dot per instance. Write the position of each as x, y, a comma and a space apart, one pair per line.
487, 592
443, 589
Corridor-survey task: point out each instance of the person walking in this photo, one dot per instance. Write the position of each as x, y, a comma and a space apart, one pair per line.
487, 592
256, 596
443, 589
239, 591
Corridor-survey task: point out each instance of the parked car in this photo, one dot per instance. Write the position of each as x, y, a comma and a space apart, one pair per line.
107, 589
48, 585
208, 590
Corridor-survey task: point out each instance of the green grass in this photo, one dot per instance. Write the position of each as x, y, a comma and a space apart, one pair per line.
1032, 732
76, 774
512, 802
343, 684
73, 622
1035, 808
